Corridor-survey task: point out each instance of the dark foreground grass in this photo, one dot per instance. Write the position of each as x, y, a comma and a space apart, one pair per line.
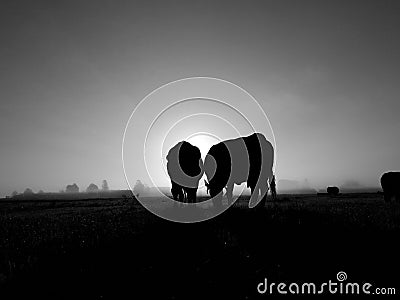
117, 249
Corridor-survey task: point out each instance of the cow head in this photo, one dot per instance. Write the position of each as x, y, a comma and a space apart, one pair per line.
212, 189
214, 185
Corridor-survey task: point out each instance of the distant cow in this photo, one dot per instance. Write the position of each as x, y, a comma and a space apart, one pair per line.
390, 183
236, 161
185, 168
332, 190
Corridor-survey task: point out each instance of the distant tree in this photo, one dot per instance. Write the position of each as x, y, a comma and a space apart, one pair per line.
104, 186
28, 191
41, 192
13, 194
138, 188
92, 188
72, 188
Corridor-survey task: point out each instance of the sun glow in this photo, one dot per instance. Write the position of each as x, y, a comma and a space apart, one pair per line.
203, 141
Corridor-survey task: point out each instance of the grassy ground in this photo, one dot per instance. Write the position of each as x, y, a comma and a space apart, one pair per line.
110, 248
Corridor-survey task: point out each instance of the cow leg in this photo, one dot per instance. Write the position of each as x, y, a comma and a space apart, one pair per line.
264, 193
217, 201
254, 194
188, 195
185, 195
176, 191
229, 193
181, 195
191, 195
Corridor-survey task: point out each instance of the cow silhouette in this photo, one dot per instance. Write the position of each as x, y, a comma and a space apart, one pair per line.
332, 190
245, 159
185, 168
390, 183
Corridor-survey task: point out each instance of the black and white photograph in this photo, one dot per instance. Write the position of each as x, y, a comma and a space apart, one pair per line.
199, 149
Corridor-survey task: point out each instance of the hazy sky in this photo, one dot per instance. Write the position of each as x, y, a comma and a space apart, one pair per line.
326, 72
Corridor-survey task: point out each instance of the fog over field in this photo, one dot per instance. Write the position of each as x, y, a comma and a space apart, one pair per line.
326, 73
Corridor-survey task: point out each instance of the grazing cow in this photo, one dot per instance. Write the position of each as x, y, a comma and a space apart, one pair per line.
246, 159
185, 168
332, 190
390, 183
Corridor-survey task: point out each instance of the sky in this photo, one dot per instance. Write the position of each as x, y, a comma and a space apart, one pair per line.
327, 73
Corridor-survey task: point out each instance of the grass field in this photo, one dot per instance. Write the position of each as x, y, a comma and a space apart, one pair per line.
109, 248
